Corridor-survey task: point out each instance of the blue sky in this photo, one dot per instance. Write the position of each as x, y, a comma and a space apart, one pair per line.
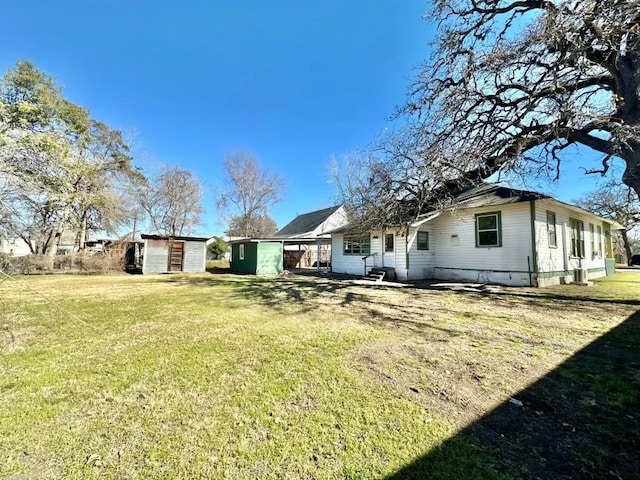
292, 82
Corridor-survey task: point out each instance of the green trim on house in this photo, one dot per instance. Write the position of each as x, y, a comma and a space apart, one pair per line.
480, 270
606, 228
596, 270
610, 266
557, 273
565, 273
534, 250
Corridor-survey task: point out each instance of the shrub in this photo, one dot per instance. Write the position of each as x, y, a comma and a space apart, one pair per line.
27, 264
110, 260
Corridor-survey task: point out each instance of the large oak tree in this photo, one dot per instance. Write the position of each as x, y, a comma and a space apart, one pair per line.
510, 86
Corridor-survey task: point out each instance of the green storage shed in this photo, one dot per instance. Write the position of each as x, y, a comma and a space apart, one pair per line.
257, 257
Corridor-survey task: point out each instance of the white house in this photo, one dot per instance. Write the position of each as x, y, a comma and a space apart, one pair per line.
493, 234
306, 239
16, 247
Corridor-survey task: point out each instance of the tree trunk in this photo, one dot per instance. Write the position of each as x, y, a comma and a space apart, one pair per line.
631, 175
627, 247
83, 232
57, 237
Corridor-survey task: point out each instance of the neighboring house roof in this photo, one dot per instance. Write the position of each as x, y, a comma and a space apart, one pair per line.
145, 236
305, 225
214, 238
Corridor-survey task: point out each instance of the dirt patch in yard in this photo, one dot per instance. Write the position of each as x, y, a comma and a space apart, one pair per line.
544, 384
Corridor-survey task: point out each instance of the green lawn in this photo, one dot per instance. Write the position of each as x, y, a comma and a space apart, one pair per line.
222, 376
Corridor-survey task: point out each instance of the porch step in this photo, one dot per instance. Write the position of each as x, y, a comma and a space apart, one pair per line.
377, 274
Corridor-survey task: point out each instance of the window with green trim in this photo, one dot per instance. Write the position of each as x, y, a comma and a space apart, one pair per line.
423, 241
599, 241
551, 229
592, 238
577, 237
488, 230
357, 244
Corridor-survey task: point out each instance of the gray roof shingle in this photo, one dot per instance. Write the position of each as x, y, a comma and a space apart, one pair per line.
306, 223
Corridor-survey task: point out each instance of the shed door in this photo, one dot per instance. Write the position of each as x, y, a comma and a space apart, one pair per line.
176, 254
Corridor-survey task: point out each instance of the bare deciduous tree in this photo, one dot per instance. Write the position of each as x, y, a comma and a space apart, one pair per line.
250, 192
617, 202
253, 226
173, 202
510, 86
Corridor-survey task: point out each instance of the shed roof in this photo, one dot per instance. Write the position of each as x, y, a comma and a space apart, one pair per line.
306, 223
256, 240
145, 236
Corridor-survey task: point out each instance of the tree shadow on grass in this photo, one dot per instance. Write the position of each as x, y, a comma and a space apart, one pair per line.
580, 421
276, 292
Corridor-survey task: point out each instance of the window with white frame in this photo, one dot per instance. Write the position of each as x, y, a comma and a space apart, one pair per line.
357, 244
241, 251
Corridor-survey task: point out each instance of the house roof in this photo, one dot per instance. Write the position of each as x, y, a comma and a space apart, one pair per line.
487, 195
305, 224
145, 236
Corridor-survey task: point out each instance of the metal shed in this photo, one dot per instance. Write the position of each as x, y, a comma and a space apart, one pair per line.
165, 254
256, 256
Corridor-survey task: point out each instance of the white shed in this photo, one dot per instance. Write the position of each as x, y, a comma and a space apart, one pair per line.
165, 254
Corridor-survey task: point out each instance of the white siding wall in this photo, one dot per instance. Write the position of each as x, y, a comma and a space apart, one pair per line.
16, 247
341, 263
353, 264
195, 256
421, 262
556, 264
458, 258
156, 256
336, 220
